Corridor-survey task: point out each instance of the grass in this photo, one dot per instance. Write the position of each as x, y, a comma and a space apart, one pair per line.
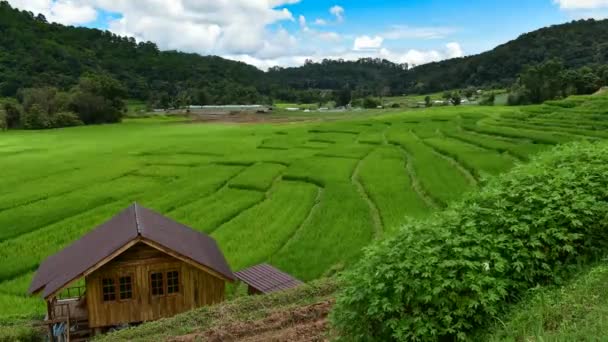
574, 312
476, 160
240, 310
257, 177
396, 198
254, 235
437, 176
305, 196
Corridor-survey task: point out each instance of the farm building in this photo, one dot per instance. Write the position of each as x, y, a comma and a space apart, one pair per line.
138, 266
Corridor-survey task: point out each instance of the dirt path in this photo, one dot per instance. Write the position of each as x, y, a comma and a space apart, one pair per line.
301, 324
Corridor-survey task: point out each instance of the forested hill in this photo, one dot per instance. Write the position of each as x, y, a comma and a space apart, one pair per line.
579, 43
35, 53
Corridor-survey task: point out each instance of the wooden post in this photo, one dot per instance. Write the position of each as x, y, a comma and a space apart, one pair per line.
49, 313
67, 331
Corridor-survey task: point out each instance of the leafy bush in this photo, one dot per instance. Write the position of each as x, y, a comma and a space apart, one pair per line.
66, 119
446, 276
370, 103
35, 118
488, 100
19, 331
3, 124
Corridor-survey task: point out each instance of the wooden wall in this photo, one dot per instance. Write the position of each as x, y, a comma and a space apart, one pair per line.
197, 288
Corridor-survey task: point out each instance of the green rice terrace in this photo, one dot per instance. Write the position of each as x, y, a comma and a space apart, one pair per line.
304, 196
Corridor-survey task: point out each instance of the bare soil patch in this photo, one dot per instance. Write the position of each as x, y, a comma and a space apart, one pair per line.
301, 324
238, 117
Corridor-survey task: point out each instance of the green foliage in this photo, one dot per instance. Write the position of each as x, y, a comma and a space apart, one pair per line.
21, 331
66, 119
343, 97
242, 309
575, 43
3, 123
35, 118
308, 195
574, 312
456, 98
551, 80
370, 103
12, 110
488, 99
427, 101
447, 276
98, 99
167, 79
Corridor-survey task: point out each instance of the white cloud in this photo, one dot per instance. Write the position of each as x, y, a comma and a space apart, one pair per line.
419, 57
581, 4
320, 22
329, 36
66, 12
454, 50
302, 21
367, 43
338, 12
406, 32
584, 9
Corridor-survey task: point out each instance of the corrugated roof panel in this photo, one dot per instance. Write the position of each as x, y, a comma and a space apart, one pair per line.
266, 278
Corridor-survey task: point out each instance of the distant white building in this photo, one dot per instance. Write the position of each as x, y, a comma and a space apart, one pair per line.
229, 107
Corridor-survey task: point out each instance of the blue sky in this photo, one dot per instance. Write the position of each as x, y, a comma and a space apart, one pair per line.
287, 32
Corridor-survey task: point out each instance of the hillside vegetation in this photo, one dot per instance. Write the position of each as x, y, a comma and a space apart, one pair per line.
455, 273
35, 53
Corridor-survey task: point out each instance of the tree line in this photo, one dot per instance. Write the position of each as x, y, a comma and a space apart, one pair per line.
552, 80
95, 99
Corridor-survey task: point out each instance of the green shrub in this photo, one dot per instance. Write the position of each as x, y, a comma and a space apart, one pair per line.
3, 124
446, 276
370, 103
66, 119
19, 331
35, 118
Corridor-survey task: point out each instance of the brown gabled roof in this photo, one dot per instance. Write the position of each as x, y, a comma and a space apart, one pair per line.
267, 279
131, 224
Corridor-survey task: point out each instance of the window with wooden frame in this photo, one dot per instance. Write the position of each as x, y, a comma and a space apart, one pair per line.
157, 286
108, 289
125, 287
164, 283
172, 282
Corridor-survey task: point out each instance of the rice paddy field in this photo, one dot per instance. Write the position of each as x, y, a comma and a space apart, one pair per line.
305, 196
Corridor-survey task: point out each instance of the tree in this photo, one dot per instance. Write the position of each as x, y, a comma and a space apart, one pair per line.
456, 98
13, 112
45, 98
488, 99
98, 99
343, 97
36, 118
447, 95
427, 101
370, 103
3, 125
543, 81
469, 92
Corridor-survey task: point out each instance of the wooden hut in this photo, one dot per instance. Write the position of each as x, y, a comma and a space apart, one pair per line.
138, 266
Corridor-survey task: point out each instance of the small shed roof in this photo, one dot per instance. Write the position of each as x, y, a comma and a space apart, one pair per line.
131, 225
267, 279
